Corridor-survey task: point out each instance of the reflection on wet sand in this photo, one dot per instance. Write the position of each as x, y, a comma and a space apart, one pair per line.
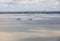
33, 30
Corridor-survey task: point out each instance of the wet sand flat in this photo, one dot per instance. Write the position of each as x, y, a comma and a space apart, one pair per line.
43, 27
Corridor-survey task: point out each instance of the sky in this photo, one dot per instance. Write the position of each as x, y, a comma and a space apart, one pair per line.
29, 5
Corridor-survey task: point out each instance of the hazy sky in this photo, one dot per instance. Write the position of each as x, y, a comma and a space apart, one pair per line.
29, 5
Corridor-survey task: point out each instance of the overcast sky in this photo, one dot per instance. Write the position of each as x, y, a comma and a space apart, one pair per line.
29, 5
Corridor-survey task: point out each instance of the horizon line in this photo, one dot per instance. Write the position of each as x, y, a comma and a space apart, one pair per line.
31, 12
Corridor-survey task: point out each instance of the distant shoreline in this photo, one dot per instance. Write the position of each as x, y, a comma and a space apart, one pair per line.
32, 12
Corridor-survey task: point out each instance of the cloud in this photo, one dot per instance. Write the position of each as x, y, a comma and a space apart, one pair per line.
3, 5
54, 4
4, 1
30, 5
28, 2
6, 6
24, 2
